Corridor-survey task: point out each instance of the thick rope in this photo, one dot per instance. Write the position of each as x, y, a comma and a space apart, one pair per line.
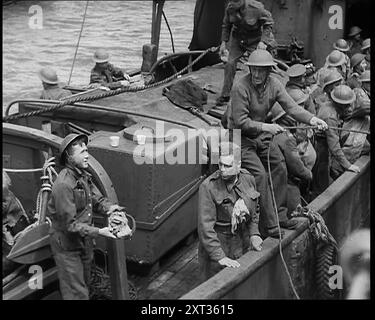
278, 222
107, 93
79, 38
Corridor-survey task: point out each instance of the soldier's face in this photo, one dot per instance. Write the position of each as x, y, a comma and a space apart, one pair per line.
102, 65
79, 156
229, 167
259, 75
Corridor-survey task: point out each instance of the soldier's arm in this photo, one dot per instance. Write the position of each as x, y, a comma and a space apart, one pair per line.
254, 221
226, 28
240, 113
293, 160
333, 142
267, 24
101, 204
206, 223
66, 210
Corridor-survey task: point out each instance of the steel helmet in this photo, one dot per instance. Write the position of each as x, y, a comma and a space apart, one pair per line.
296, 70
48, 75
101, 56
260, 58
70, 138
365, 44
365, 76
341, 45
354, 31
335, 58
343, 94
356, 59
298, 96
332, 77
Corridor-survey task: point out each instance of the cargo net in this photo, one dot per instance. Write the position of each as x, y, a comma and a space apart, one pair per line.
100, 286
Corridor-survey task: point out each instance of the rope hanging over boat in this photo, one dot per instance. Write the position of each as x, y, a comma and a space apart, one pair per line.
169, 29
108, 93
79, 38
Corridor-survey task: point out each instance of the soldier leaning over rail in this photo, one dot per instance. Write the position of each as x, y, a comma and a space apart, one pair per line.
51, 88
70, 208
228, 214
252, 98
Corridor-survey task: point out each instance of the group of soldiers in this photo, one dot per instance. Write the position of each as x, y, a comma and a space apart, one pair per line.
236, 209
236, 203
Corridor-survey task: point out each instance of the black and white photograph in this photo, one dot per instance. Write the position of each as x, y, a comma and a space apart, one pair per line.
186, 155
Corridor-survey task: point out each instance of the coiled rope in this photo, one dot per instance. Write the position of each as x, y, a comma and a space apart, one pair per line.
108, 93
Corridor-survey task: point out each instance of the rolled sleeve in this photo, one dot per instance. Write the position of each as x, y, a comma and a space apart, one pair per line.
206, 223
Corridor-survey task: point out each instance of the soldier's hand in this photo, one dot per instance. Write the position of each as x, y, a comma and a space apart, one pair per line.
126, 76
229, 262
256, 242
106, 232
322, 125
272, 128
113, 208
354, 168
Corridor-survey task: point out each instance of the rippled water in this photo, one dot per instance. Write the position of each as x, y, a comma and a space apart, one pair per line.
122, 27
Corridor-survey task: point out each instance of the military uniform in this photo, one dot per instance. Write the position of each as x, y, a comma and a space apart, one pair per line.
309, 104
73, 199
54, 92
355, 47
249, 111
215, 208
353, 81
110, 75
244, 35
328, 147
297, 170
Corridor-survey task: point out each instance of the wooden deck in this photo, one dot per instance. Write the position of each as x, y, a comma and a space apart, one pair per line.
178, 273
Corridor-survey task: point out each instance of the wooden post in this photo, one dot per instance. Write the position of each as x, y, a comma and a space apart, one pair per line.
117, 269
157, 9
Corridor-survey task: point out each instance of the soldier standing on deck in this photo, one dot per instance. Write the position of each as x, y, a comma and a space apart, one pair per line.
228, 214
73, 199
246, 25
354, 40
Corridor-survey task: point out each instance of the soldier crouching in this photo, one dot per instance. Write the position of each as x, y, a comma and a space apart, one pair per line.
228, 214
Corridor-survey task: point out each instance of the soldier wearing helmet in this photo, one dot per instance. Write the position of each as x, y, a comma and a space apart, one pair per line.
73, 200
363, 103
51, 89
296, 148
354, 40
246, 25
343, 46
252, 98
333, 112
105, 74
358, 63
366, 51
297, 81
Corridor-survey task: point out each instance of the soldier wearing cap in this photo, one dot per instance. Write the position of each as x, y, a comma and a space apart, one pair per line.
367, 52
333, 112
297, 81
252, 98
105, 74
293, 146
358, 63
228, 213
51, 89
73, 200
246, 25
343, 46
354, 40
